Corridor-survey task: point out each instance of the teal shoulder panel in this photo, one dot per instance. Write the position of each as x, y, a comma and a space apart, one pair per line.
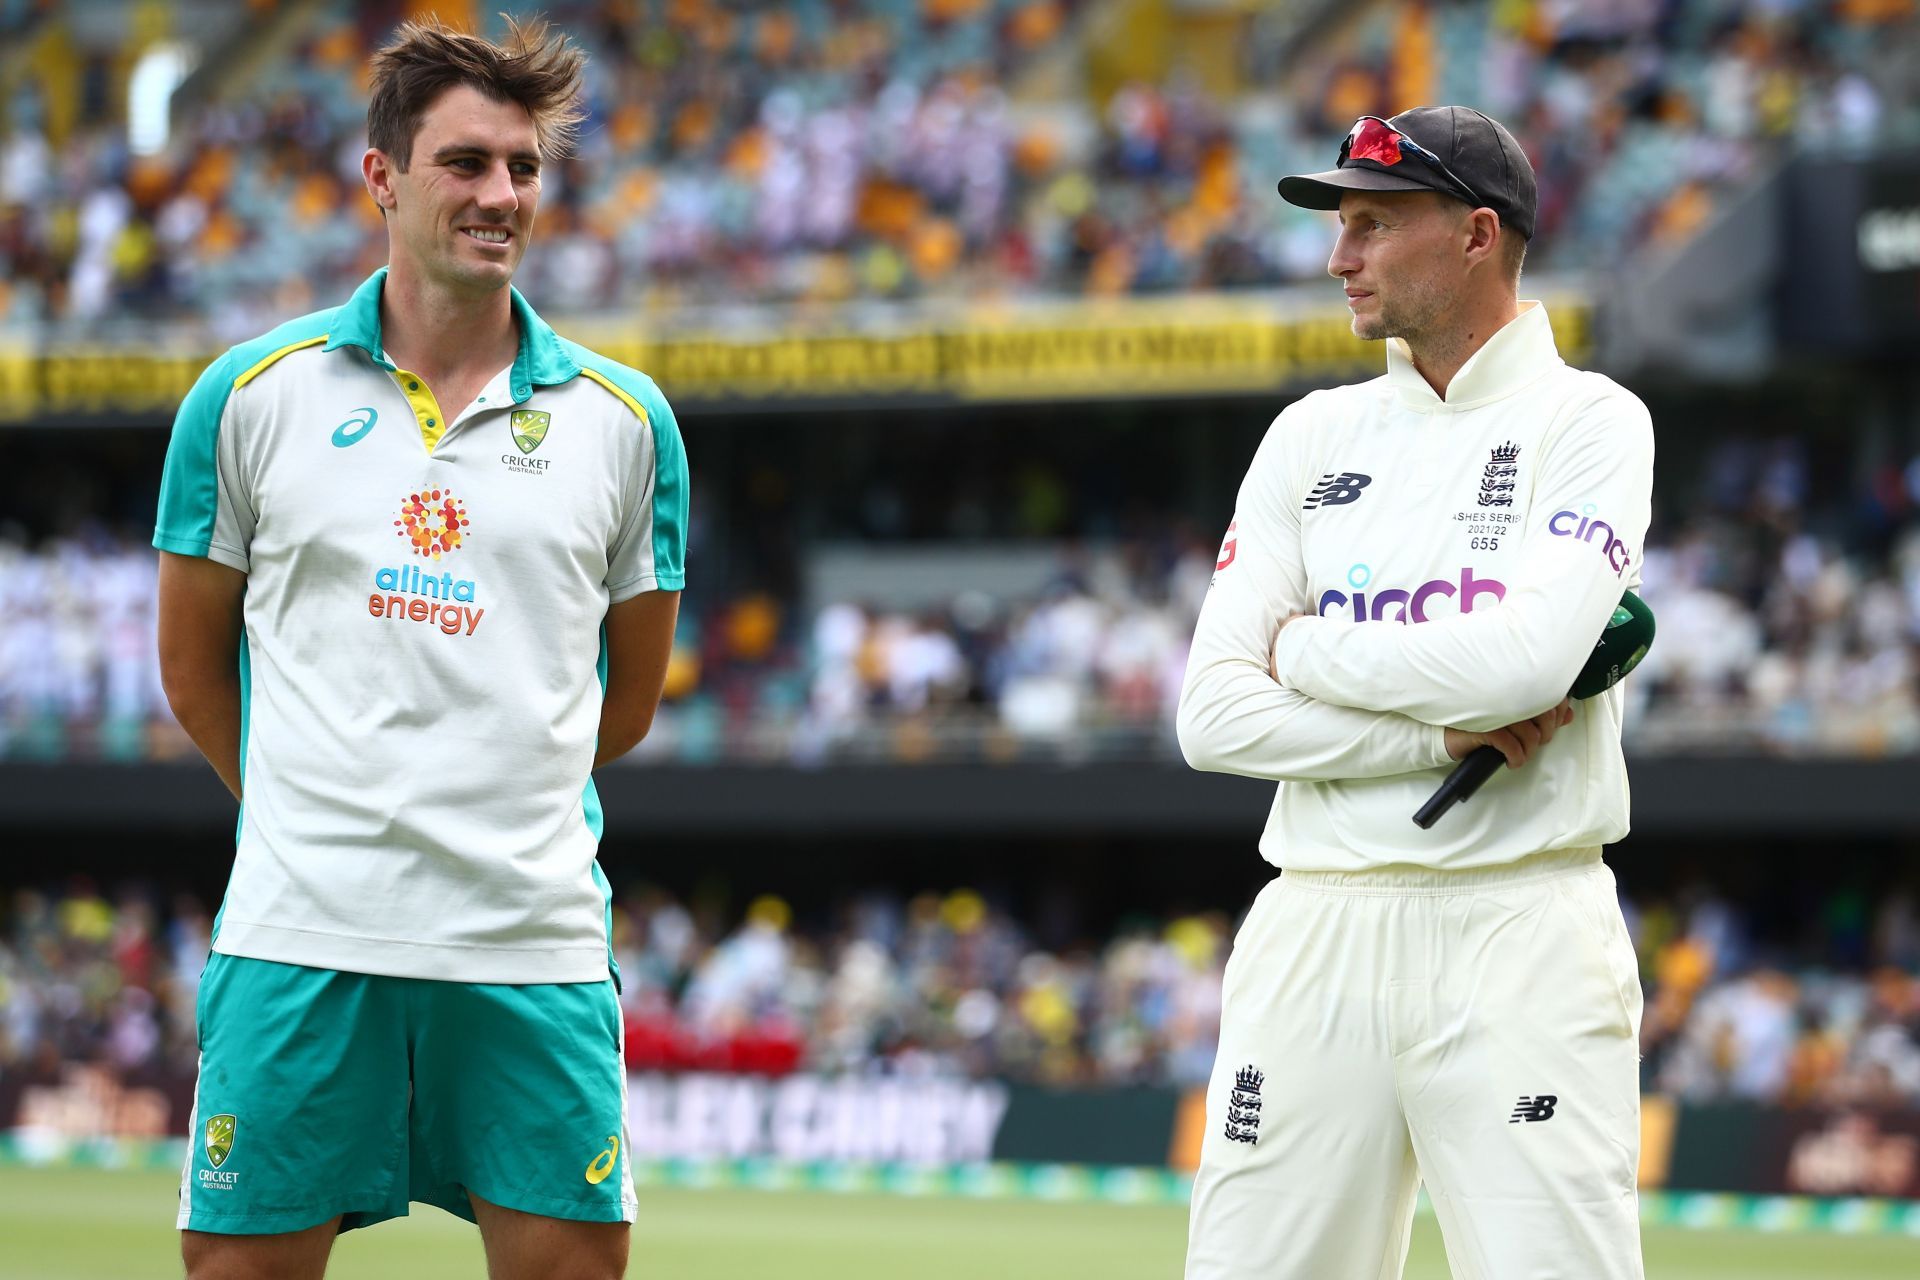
189, 482
669, 464
314, 324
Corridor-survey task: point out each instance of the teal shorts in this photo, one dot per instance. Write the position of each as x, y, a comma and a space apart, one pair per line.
324, 1093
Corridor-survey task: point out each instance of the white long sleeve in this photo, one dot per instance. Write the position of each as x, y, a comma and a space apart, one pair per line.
1234, 717
1492, 667
1457, 557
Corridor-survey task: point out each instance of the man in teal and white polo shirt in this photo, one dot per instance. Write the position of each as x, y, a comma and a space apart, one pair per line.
422, 561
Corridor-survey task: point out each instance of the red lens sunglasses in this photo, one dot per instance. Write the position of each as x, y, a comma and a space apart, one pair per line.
1374, 139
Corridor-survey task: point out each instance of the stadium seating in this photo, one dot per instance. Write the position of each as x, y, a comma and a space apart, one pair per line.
826, 155
1789, 622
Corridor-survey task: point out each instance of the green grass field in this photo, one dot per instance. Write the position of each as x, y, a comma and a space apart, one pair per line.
82, 1224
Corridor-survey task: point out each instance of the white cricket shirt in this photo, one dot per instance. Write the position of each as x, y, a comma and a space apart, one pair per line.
1458, 559
423, 663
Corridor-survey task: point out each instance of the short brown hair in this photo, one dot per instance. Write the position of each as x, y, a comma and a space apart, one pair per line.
536, 67
1513, 247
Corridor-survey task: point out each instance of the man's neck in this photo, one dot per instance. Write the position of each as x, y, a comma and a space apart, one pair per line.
1440, 355
440, 333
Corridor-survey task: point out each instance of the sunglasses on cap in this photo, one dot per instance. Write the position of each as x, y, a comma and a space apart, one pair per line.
1372, 138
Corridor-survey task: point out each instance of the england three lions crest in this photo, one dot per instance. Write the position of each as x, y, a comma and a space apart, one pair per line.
1243, 1105
1496, 482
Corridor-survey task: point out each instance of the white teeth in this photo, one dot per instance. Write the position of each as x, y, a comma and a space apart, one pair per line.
491, 237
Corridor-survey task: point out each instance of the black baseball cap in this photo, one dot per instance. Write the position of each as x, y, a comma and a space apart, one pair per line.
1456, 151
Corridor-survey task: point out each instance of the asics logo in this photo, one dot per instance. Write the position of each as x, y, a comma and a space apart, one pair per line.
1336, 490
602, 1164
1397, 604
355, 429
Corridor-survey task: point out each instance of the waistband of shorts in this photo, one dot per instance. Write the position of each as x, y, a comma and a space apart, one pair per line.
1403, 879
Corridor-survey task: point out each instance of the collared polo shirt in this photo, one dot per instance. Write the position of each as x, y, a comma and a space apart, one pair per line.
1449, 561
423, 657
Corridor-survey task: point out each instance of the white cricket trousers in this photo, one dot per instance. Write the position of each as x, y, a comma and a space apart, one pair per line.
1475, 1030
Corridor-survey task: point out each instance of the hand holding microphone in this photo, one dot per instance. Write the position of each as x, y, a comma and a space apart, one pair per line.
1516, 742
1626, 639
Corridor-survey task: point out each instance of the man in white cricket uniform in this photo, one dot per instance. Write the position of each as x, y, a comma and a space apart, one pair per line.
1419, 565
422, 562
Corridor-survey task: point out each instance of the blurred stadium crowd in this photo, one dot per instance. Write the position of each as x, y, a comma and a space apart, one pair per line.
950, 982
1789, 622
868, 150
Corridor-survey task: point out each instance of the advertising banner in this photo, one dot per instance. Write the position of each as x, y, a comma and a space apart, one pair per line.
1746, 1147
1200, 345
1850, 285
81, 1101
1887, 243
808, 1117
946, 1122
894, 1119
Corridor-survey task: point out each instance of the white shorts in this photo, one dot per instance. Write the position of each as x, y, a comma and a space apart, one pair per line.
1476, 1030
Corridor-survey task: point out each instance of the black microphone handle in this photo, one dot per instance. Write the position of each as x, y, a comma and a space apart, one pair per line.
1481, 763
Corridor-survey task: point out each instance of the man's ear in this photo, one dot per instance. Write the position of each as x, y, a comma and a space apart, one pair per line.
1482, 229
377, 170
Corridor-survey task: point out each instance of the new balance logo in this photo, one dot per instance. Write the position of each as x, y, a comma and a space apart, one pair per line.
1532, 1109
1243, 1106
1335, 490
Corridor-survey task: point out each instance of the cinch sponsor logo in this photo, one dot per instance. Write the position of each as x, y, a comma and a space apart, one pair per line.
1395, 604
1582, 525
442, 601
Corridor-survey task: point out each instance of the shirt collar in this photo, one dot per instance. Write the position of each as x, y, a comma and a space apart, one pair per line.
1521, 351
542, 360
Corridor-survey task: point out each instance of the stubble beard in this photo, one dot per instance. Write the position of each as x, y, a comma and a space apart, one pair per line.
1409, 317
475, 277
444, 263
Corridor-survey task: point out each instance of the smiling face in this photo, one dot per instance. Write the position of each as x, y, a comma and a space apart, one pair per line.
1403, 256
462, 212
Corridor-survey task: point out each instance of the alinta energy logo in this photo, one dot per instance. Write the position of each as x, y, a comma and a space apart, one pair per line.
434, 523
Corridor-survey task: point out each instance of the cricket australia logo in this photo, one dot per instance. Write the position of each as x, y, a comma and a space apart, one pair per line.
219, 1139
1335, 490
1243, 1105
1496, 484
530, 428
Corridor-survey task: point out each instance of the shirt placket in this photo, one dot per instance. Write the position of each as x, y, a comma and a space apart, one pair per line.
427, 414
